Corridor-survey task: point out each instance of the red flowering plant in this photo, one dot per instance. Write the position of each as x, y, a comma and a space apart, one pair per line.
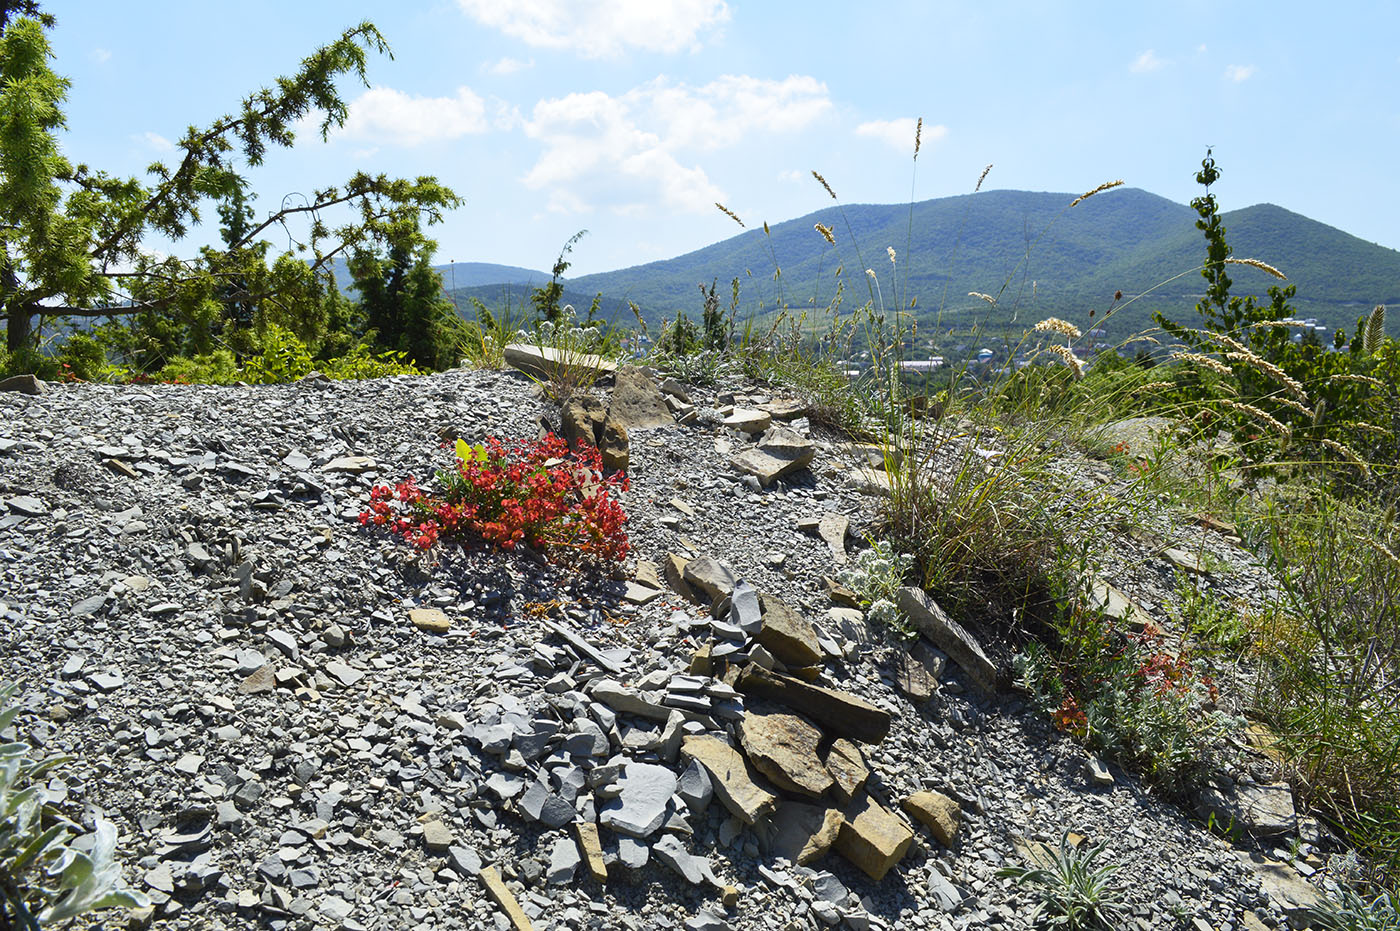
536, 493
1127, 696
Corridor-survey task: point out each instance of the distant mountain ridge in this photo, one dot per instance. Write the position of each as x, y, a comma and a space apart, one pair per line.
1036, 255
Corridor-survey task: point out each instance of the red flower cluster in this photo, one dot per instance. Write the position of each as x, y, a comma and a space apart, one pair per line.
540, 493
1069, 717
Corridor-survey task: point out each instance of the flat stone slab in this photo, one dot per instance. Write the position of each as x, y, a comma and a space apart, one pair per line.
592, 849
833, 529
803, 833
780, 453
637, 403
840, 713
640, 808
847, 768
733, 779
938, 812
351, 464
548, 363
1264, 811
628, 701
749, 421
949, 636
496, 888
710, 575
430, 620
784, 748
872, 838
788, 635
916, 671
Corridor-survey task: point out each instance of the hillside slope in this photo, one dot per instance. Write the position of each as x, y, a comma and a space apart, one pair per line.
1029, 249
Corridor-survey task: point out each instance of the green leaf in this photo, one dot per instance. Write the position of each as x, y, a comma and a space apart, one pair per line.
467, 452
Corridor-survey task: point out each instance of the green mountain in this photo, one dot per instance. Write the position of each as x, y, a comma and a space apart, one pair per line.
1035, 254
460, 275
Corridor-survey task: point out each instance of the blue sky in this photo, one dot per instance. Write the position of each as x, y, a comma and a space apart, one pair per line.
630, 118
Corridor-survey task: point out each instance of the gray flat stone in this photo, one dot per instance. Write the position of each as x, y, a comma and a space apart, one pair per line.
564, 860
640, 808
949, 636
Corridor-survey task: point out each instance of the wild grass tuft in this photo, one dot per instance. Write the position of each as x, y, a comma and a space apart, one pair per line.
1076, 892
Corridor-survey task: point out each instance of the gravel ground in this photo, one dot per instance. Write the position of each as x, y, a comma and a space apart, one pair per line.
161, 547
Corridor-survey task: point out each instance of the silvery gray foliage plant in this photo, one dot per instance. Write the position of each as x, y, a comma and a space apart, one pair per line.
875, 575
44, 880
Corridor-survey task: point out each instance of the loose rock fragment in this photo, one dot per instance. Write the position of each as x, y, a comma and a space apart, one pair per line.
733, 780
940, 813
784, 748
872, 838
491, 878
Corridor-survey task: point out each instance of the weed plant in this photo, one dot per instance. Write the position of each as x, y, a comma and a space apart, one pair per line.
1076, 892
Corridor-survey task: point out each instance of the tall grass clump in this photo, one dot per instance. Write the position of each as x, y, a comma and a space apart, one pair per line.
1331, 663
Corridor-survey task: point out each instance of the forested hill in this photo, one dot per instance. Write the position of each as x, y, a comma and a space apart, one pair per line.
1038, 256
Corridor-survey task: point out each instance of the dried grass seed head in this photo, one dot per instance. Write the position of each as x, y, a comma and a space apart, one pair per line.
1056, 325
729, 213
1067, 356
1261, 265
1106, 186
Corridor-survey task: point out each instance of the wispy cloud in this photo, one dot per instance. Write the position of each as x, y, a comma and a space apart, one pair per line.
101, 55
602, 28
1239, 73
392, 117
507, 66
899, 134
634, 150
1146, 62
155, 141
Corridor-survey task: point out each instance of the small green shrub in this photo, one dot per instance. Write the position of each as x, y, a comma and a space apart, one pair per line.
360, 363
1125, 695
82, 358
44, 880
217, 368
1350, 912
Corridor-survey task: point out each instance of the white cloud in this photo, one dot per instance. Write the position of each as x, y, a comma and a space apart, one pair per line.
156, 141
793, 175
101, 55
601, 28
899, 134
507, 66
392, 117
1239, 73
1147, 61
631, 151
